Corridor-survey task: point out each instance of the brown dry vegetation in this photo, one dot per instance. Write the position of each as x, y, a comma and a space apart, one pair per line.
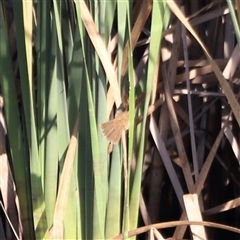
192, 150
203, 115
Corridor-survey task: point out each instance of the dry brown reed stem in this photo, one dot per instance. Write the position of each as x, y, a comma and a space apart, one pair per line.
57, 230
177, 135
144, 229
179, 232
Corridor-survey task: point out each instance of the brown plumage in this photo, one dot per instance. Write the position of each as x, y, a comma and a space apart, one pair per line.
113, 129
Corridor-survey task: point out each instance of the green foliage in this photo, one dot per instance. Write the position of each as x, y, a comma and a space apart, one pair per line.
66, 68
70, 77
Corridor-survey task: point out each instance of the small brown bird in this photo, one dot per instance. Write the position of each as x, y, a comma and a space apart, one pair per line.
113, 129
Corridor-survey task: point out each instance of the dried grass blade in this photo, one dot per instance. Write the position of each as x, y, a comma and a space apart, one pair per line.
100, 48
193, 73
194, 214
202, 139
157, 234
179, 232
177, 135
208, 162
204, 9
202, 62
7, 185
190, 109
232, 64
203, 18
233, 143
163, 225
136, 31
57, 231
210, 15
9, 222
166, 160
9, 195
171, 75
157, 164
144, 211
237, 3
223, 207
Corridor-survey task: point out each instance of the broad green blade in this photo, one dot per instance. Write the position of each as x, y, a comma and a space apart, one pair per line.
113, 215
234, 20
122, 7
18, 149
158, 22
43, 74
24, 46
51, 135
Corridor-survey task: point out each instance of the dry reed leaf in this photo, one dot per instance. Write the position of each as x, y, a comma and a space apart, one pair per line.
28, 29
179, 232
151, 235
233, 63
203, 174
209, 16
100, 48
10, 198
179, 110
190, 108
136, 31
201, 139
233, 143
156, 234
171, 75
177, 135
110, 96
199, 134
144, 211
208, 162
223, 207
112, 44
224, 84
208, 79
157, 165
166, 160
202, 19
198, 93
202, 63
7, 185
110, 100
210, 5
57, 230
193, 73
194, 214
163, 225
237, 4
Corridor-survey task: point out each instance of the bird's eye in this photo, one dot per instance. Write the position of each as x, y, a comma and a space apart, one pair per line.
122, 108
